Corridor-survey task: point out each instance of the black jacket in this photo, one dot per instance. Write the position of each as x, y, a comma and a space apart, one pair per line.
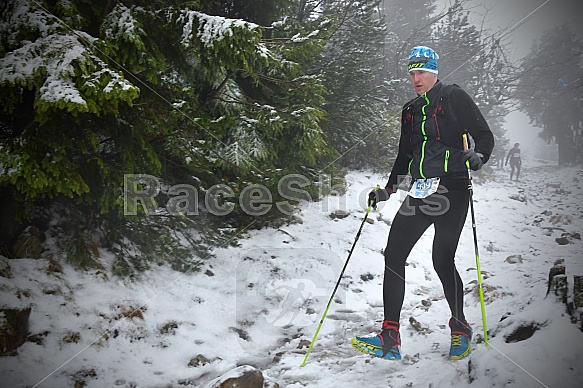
431, 143
514, 156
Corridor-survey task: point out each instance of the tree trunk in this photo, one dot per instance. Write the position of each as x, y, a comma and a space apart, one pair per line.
11, 224
578, 299
13, 330
558, 282
566, 141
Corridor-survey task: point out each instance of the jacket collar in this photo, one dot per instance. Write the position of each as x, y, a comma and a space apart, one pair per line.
434, 91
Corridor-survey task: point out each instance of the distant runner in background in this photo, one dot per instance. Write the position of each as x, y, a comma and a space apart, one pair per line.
515, 161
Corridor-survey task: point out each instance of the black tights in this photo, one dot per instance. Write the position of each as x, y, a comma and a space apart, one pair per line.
447, 212
512, 167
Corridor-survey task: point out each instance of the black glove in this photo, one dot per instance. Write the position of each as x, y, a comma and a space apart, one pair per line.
475, 159
377, 196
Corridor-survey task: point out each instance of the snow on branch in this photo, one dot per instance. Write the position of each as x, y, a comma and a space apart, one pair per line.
67, 75
18, 13
210, 29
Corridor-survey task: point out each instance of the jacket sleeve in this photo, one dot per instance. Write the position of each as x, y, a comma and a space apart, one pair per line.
404, 155
473, 121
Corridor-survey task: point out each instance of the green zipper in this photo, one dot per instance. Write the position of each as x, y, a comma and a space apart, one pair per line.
424, 136
446, 160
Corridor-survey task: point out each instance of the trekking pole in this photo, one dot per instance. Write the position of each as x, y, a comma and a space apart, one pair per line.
337, 284
480, 288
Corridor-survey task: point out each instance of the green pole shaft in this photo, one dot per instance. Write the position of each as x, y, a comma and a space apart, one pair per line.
480, 288
317, 331
475, 232
335, 288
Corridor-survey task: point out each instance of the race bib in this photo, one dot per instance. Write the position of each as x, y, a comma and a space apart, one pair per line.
423, 188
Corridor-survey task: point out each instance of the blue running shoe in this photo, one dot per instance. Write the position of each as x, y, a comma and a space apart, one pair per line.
461, 335
385, 345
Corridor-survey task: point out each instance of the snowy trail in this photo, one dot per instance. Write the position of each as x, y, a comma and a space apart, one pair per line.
259, 303
507, 228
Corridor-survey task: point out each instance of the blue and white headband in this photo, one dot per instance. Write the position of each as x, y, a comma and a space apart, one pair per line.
423, 58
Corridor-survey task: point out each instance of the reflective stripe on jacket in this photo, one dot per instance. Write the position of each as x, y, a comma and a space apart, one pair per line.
431, 142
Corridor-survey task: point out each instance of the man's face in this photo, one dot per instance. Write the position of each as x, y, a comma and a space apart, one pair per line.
422, 80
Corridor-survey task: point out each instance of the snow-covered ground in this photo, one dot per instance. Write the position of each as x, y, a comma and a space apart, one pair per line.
259, 304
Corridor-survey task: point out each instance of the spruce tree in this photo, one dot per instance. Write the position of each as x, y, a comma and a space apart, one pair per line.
475, 59
92, 93
351, 67
551, 90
